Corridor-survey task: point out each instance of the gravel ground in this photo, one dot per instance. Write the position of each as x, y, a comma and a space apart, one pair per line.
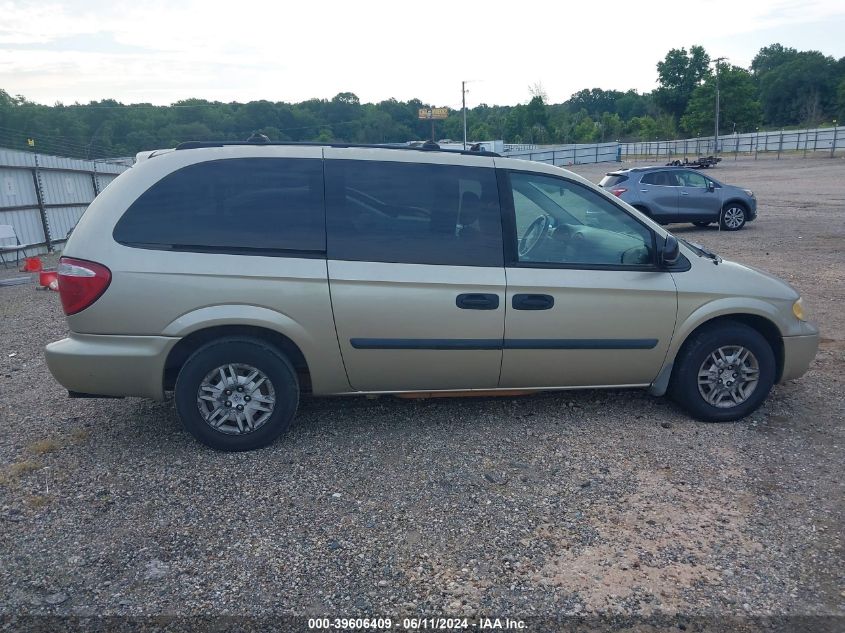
611, 503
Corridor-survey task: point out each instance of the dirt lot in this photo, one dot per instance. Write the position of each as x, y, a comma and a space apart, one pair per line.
582, 503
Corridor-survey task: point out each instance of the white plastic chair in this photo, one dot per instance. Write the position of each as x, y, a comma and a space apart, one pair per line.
7, 232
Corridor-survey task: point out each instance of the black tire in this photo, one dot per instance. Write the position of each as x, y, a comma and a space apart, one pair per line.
733, 209
684, 388
237, 350
702, 224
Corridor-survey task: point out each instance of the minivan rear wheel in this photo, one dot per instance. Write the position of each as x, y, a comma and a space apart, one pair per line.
236, 394
723, 372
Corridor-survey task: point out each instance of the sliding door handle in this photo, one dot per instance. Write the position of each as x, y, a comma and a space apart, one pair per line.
532, 302
477, 301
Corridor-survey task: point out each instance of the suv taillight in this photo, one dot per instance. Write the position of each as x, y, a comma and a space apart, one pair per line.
81, 283
618, 191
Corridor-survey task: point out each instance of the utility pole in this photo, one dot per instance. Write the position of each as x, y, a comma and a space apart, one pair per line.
716, 131
464, 107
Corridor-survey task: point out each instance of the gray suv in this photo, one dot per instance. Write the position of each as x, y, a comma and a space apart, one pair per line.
676, 194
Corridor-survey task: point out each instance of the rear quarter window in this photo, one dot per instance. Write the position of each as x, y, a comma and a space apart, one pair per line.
272, 205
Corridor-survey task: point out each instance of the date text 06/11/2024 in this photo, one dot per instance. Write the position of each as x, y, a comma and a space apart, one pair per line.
416, 624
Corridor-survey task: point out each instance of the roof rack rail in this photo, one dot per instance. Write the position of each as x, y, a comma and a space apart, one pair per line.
432, 147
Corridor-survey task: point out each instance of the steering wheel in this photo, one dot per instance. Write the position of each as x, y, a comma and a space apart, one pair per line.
534, 235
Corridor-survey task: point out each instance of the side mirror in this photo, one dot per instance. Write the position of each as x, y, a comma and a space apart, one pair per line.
710, 186
670, 252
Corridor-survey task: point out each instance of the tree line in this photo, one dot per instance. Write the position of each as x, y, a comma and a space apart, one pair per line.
783, 87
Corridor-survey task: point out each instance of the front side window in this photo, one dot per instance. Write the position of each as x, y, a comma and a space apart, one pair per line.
241, 204
558, 221
412, 213
692, 179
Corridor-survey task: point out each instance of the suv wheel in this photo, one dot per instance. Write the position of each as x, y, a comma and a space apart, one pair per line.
723, 372
732, 218
236, 394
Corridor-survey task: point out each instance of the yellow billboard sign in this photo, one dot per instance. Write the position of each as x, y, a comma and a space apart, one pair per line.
434, 113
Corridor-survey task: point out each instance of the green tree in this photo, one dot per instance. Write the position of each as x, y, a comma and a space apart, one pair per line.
800, 91
840, 103
679, 74
739, 108
770, 57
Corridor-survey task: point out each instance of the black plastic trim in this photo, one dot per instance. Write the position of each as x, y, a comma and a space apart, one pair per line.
78, 394
426, 343
477, 301
581, 343
227, 250
524, 301
496, 344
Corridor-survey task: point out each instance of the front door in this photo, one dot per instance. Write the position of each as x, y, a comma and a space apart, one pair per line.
586, 305
696, 199
415, 270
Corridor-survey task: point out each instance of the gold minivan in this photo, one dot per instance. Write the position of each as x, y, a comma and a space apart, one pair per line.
242, 275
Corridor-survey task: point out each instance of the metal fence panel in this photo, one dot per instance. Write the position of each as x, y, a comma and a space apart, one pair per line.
44, 196
103, 180
829, 140
15, 158
27, 223
62, 220
16, 189
575, 154
62, 187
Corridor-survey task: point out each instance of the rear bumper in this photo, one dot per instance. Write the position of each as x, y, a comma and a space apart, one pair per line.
111, 365
798, 353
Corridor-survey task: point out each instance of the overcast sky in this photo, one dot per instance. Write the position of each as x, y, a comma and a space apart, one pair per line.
241, 50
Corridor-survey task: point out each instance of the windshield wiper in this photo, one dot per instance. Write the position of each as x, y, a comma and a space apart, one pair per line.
701, 251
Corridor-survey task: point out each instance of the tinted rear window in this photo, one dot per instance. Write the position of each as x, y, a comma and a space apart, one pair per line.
242, 204
661, 178
413, 213
612, 180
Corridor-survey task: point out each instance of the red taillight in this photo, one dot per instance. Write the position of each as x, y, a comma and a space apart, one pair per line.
81, 283
618, 191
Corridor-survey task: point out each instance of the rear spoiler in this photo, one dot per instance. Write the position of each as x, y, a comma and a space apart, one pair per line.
142, 156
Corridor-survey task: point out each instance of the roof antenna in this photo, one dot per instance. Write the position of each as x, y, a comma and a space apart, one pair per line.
258, 137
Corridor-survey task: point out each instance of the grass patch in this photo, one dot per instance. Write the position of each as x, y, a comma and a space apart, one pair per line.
47, 445
79, 435
21, 468
37, 501
12, 473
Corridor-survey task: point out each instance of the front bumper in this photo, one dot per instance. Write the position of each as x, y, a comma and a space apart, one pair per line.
798, 353
752, 209
111, 365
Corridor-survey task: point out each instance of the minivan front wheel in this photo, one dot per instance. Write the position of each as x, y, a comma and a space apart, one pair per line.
723, 372
236, 394
732, 218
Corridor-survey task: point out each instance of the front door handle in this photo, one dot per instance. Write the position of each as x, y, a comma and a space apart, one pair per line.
532, 302
685, 193
477, 301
